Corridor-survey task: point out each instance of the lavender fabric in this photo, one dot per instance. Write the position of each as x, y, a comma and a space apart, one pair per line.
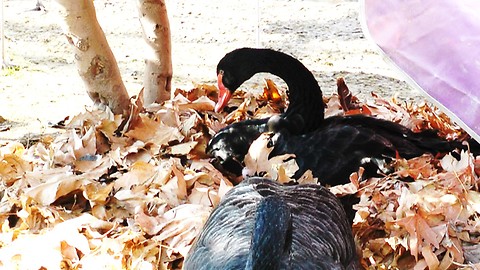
437, 44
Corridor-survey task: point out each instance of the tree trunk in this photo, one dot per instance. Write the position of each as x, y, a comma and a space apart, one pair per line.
95, 61
158, 68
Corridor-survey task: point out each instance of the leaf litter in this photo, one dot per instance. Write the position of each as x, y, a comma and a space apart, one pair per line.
118, 193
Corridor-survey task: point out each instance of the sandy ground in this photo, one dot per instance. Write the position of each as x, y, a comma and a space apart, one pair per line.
324, 34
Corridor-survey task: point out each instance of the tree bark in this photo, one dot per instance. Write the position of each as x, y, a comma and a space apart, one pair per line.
158, 68
95, 61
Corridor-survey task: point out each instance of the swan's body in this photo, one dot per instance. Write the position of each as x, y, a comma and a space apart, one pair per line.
344, 143
261, 224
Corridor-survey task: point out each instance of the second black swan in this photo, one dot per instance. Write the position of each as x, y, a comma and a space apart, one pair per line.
261, 224
332, 148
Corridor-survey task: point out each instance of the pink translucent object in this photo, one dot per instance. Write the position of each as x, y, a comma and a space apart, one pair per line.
436, 43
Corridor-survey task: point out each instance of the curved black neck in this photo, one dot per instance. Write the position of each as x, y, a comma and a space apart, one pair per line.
304, 93
270, 234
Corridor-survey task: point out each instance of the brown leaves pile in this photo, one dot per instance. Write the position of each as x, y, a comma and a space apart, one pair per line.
423, 223
108, 193
133, 193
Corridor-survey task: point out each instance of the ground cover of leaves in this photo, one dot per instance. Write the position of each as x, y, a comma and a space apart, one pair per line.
113, 193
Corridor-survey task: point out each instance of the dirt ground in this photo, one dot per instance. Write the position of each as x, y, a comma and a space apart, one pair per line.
325, 35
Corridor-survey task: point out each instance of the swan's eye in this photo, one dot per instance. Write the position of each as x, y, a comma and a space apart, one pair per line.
226, 79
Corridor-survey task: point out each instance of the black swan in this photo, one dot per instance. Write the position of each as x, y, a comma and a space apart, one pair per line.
261, 224
332, 148
304, 94
304, 113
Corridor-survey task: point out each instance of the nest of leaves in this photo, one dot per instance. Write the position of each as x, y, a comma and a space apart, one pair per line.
133, 193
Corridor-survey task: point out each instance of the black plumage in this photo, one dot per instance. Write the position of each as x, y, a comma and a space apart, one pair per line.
332, 148
231, 144
344, 143
261, 224
304, 93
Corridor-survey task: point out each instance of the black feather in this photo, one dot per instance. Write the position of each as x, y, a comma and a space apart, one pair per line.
266, 225
332, 148
344, 143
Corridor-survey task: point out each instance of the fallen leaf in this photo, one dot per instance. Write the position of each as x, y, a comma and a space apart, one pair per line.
155, 132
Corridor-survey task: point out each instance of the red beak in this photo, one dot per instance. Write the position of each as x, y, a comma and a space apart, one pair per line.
224, 95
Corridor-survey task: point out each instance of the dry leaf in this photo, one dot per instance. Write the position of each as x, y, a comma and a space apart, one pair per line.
281, 168
201, 104
155, 132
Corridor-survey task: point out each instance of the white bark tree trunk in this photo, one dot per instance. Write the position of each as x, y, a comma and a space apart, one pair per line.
158, 69
95, 61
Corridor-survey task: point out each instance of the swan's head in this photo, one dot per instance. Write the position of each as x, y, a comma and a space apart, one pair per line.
233, 70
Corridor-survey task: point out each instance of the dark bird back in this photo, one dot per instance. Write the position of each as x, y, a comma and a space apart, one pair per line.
261, 224
344, 143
